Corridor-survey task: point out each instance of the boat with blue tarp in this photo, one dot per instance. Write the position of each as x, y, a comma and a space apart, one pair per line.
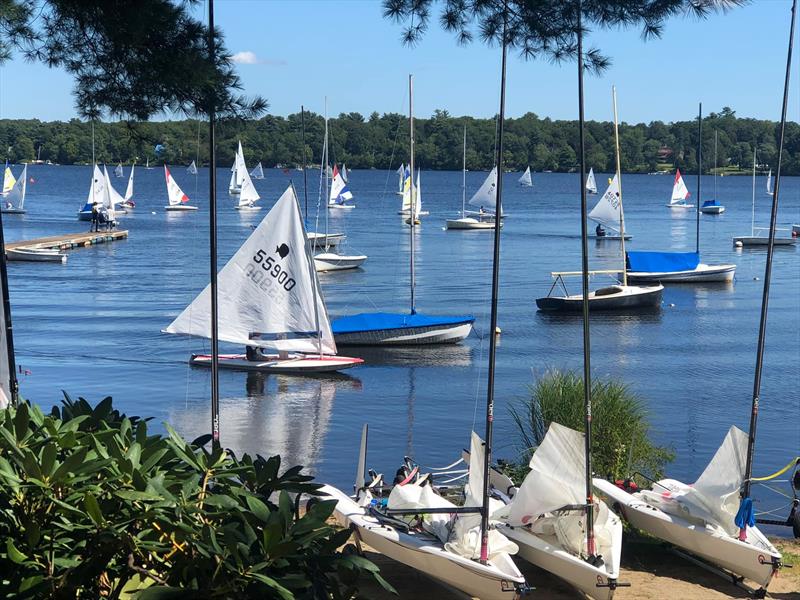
675, 267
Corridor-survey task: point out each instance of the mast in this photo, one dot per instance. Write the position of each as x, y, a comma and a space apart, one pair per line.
753, 209
715, 166
619, 187
699, 173
762, 328
212, 222
464, 177
487, 459
587, 367
13, 384
305, 174
326, 197
412, 208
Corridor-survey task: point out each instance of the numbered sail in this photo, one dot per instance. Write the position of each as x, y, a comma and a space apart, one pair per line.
339, 190
248, 194
486, 196
591, 184
174, 191
16, 195
97, 189
129, 189
118, 170
257, 172
526, 180
268, 292
679, 190
8, 179
607, 210
192, 169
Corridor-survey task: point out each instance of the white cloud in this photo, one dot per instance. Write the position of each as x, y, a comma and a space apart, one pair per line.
248, 57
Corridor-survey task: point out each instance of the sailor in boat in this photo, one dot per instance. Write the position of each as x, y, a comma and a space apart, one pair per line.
599, 231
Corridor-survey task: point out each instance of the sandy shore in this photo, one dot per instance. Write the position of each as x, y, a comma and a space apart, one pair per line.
653, 572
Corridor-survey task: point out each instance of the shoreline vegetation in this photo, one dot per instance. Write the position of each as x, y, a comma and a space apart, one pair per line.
367, 142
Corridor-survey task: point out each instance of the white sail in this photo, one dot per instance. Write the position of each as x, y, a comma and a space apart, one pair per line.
344, 173
241, 167
526, 180
174, 191
257, 172
192, 169
129, 189
8, 180
111, 197
607, 210
118, 170
679, 190
418, 196
486, 196
97, 189
406, 208
16, 195
269, 294
591, 184
339, 190
248, 194
401, 174
769, 182
147, 162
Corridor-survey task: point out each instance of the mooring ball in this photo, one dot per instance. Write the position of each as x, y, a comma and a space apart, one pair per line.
672, 305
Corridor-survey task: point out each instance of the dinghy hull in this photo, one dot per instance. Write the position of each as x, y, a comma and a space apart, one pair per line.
751, 240
13, 211
295, 363
701, 274
36, 255
757, 559
328, 261
712, 210
469, 223
491, 581
626, 298
387, 329
180, 208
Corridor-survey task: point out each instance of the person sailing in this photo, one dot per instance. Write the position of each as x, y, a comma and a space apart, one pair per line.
599, 231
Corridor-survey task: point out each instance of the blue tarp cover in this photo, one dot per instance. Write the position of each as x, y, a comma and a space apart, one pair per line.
381, 321
711, 203
662, 262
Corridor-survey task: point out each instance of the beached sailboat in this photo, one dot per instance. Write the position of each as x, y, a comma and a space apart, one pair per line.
128, 201
257, 172
370, 329
191, 169
760, 240
679, 193
14, 200
465, 222
118, 171
238, 171
339, 192
713, 207
679, 267
618, 296
269, 299
525, 180
608, 213
178, 201
591, 184
8, 180
248, 196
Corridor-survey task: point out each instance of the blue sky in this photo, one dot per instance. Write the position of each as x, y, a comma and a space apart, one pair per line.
308, 49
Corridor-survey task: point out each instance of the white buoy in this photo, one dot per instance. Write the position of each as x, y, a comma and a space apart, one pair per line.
671, 305
497, 331
153, 212
738, 243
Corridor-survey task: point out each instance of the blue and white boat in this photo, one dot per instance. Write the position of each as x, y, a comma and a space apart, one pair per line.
675, 267
712, 207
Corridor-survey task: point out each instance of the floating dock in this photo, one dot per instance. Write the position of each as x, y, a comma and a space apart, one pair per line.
69, 241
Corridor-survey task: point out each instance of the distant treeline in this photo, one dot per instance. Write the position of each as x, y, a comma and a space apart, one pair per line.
381, 141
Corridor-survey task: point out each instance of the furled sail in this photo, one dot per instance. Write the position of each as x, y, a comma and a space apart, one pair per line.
269, 294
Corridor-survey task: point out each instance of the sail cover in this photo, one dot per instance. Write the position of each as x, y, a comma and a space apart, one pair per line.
486, 196
268, 291
679, 190
591, 184
339, 190
608, 210
662, 262
16, 195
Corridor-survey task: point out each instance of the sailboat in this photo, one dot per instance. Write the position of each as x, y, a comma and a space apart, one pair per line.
485, 198
248, 196
713, 207
118, 171
238, 171
8, 180
401, 178
465, 222
415, 214
328, 260
759, 240
620, 296
525, 180
769, 183
591, 184
679, 193
380, 329
97, 193
679, 267
15, 198
406, 194
339, 192
269, 299
607, 213
257, 172
191, 169
345, 173
177, 199
114, 198
147, 163
128, 201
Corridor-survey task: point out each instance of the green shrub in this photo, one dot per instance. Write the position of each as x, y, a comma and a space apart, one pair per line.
620, 430
94, 506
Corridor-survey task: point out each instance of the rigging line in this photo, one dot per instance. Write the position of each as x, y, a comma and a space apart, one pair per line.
792, 463
115, 359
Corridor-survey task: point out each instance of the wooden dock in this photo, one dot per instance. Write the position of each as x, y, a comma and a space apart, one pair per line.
68, 241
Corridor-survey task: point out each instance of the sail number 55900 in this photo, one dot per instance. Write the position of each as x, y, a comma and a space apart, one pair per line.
271, 268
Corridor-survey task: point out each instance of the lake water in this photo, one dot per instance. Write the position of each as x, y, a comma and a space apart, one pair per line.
92, 327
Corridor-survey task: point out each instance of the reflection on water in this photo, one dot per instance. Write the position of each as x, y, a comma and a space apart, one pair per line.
448, 355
